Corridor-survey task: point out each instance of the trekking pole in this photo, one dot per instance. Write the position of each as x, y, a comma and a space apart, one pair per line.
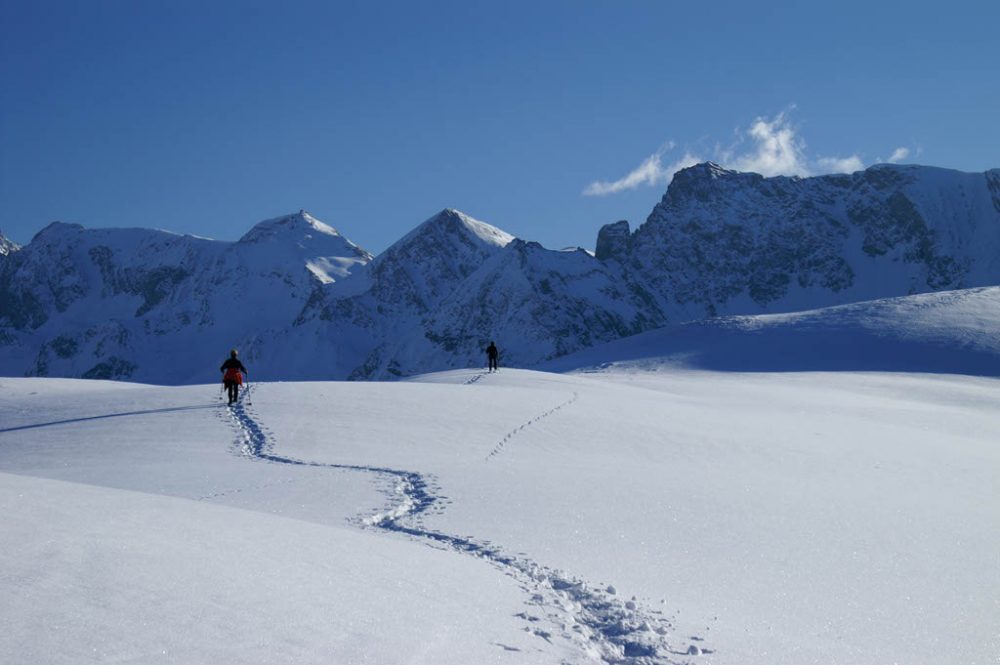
249, 386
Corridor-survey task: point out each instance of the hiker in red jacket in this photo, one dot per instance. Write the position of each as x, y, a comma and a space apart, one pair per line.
232, 378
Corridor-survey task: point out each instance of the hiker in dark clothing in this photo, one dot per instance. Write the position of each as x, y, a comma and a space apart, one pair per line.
492, 354
232, 378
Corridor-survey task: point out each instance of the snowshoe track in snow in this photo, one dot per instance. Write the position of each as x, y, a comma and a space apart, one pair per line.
593, 618
517, 430
475, 378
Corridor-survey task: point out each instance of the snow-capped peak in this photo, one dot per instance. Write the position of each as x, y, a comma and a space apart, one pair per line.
7, 246
451, 223
704, 181
485, 232
708, 171
711, 169
286, 225
306, 232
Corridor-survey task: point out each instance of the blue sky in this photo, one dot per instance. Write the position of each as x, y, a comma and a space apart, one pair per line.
547, 119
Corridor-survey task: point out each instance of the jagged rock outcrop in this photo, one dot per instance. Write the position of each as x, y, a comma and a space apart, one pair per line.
727, 242
613, 241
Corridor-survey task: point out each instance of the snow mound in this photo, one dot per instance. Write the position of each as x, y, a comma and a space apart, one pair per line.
952, 332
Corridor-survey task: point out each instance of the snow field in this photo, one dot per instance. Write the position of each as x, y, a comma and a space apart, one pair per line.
98, 575
632, 515
167, 574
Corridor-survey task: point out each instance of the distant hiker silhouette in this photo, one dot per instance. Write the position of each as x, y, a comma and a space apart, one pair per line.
492, 354
232, 378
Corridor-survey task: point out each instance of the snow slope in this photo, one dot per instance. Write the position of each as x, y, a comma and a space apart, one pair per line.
948, 332
618, 516
133, 537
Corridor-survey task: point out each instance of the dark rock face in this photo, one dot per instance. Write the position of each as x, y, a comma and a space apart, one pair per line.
112, 368
613, 241
993, 185
152, 285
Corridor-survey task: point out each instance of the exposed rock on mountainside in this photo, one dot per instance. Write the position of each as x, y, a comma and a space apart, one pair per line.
732, 242
613, 241
538, 303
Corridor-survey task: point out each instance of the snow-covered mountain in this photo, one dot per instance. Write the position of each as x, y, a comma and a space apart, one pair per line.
156, 306
721, 242
727, 242
404, 285
301, 301
537, 303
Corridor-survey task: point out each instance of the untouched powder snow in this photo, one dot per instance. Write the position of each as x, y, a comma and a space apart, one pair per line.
638, 514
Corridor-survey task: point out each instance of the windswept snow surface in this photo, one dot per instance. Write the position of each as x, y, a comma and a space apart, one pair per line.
639, 514
947, 332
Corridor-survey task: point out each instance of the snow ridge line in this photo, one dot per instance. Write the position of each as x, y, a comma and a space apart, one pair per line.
517, 430
592, 618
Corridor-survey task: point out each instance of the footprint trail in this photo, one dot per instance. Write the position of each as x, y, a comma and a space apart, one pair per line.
601, 625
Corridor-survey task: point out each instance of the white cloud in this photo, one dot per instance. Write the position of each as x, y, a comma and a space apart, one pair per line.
651, 172
648, 173
840, 164
899, 154
776, 149
769, 146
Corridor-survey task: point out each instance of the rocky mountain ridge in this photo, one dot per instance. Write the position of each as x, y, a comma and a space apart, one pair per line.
303, 302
